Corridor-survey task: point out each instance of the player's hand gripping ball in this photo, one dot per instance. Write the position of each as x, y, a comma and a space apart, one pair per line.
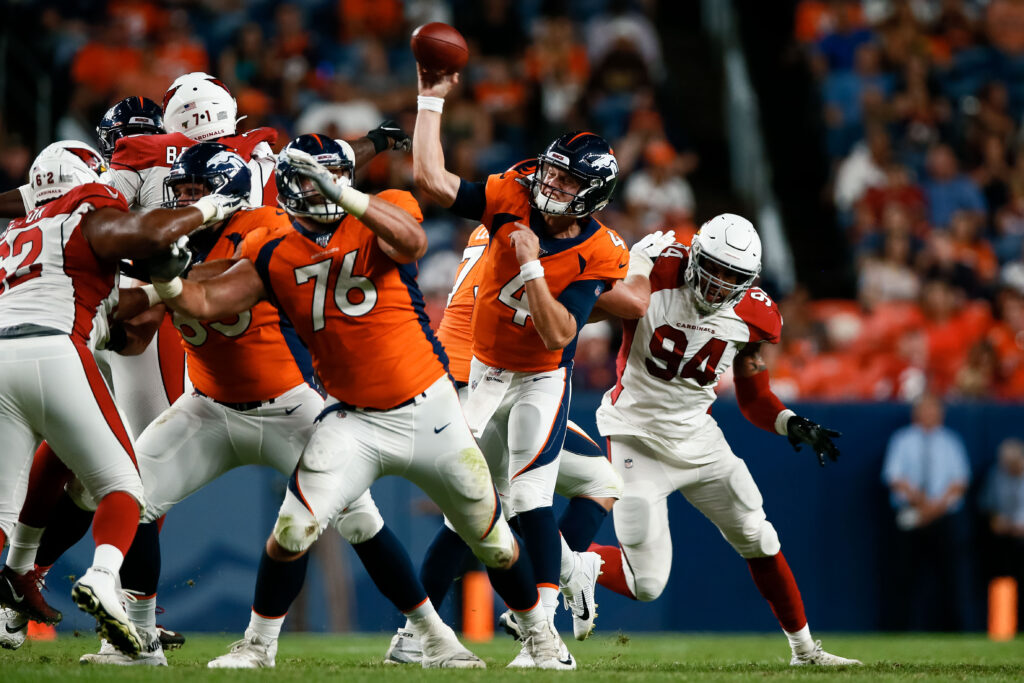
439, 48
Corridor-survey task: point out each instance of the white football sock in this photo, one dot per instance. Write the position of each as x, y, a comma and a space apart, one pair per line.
24, 544
409, 627
800, 641
549, 599
530, 618
108, 557
142, 612
424, 619
268, 628
568, 561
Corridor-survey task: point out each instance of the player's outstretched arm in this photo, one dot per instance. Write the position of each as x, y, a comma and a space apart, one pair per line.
12, 203
629, 298
237, 289
764, 409
428, 170
387, 136
114, 234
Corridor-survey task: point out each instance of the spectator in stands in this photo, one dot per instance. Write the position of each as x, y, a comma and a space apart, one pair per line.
835, 51
978, 378
240, 61
621, 22
863, 168
971, 250
948, 190
853, 96
1004, 24
658, 196
1009, 221
992, 176
899, 190
889, 276
927, 472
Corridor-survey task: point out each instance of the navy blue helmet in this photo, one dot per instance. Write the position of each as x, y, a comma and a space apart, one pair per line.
130, 116
211, 165
298, 195
586, 157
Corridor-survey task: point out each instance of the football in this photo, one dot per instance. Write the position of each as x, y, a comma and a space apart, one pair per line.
439, 47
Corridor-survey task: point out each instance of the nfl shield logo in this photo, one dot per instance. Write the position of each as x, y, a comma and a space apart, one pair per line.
629, 463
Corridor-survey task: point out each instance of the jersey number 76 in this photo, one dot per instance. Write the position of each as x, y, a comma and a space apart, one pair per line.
347, 284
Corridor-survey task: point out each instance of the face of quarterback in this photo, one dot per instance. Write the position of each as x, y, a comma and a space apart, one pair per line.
559, 184
187, 193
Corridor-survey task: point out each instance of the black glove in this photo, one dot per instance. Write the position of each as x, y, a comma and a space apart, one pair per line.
134, 270
389, 136
169, 264
800, 430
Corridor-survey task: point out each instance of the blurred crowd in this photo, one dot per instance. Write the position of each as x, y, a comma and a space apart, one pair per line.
922, 102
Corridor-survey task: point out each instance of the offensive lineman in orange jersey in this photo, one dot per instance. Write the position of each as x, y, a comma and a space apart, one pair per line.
547, 262
585, 476
344, 274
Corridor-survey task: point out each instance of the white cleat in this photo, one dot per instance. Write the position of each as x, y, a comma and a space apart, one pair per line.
507, 621
251, 652
818, 657
13, 629
543, 649
98, 592
442, 650
578, 594
404, 649
152, 654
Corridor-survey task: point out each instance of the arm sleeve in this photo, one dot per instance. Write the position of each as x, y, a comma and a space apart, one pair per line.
758, 404
259, 252
471, 200
579, 298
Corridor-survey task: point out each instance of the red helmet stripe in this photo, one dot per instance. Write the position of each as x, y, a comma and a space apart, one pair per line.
319, 141
168, 95
88, 157
579, 135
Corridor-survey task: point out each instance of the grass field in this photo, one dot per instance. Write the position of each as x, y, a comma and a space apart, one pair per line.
602, 658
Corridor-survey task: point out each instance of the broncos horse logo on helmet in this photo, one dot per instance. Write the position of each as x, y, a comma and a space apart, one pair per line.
297, 194
589, 159
131, 116
206, 168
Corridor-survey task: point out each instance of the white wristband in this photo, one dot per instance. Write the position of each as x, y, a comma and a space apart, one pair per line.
151, 294
354, 202
531, 270
781, 421
206, 207
640, 264
170, 289
430, 103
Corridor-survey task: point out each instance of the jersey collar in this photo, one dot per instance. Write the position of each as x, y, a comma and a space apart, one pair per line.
319, 238
549, 245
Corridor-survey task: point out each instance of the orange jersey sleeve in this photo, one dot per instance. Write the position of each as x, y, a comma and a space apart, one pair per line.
455, 331
575, 269
254, 356
359, 313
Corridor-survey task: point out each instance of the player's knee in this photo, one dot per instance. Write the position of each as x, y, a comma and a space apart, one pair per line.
498, 548
295, 531
756, 538
359, 526
649, 588
632, 520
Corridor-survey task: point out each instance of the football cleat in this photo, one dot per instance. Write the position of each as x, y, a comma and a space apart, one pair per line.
442, 650
169, 640
151, 654
251, 652
818, 657
21, 593
404, 649
543, 649
98, 593
13, 629
507, 621
578, 593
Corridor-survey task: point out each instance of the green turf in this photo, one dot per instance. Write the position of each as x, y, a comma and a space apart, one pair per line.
602, 658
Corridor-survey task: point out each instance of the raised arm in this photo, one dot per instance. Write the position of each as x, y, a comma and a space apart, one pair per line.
428, 171
237, 289
629, 298
387, 136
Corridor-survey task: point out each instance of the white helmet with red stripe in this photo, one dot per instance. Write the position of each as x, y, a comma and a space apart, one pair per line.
200, 106
61, 167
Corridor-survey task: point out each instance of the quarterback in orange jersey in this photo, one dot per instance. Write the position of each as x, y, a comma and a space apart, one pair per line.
344, 274
58, 276
547, 262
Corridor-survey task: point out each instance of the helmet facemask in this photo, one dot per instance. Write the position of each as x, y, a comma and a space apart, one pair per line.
716, 285
302, 197
550, 191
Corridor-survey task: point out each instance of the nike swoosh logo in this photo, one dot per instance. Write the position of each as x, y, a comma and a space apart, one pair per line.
567, 661
537, 379
14, 594
586, 610
16, 629
438, 430
623, 265
112, 193
289, 411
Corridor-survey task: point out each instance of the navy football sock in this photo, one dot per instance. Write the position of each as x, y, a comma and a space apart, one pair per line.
389, 566
69, 525
277, 585
445, 561
140, 572
580, 523
516, 585
540, 534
